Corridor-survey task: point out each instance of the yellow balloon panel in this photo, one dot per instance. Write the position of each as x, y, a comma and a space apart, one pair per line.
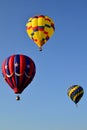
41, 21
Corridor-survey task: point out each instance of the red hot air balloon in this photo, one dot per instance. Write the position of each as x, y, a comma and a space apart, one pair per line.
18, 71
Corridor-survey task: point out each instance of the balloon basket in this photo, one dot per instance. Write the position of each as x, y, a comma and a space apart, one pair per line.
40, 48
17, 97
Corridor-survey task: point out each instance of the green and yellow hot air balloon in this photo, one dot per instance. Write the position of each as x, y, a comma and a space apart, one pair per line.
40, 28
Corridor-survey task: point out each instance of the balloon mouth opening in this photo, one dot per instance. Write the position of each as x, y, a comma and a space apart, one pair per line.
17, 91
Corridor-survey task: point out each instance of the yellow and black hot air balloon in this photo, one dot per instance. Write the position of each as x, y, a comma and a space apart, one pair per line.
75, 92
40, 28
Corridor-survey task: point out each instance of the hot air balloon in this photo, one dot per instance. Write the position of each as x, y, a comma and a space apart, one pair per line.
18, 71
75, 92
40, 28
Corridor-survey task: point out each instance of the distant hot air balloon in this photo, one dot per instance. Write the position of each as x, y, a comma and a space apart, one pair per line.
18, 71
75, 92
40, 28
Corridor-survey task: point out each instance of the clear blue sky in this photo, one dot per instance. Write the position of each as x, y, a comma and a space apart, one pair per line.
44, 104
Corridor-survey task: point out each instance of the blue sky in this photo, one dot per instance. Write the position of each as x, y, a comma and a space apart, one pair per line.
44, 104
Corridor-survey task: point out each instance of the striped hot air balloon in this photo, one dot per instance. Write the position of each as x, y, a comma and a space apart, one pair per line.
18, 71
40, 28
75, 92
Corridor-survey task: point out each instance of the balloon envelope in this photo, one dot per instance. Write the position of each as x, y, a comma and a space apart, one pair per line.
75, 92
18, 71
40, 28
